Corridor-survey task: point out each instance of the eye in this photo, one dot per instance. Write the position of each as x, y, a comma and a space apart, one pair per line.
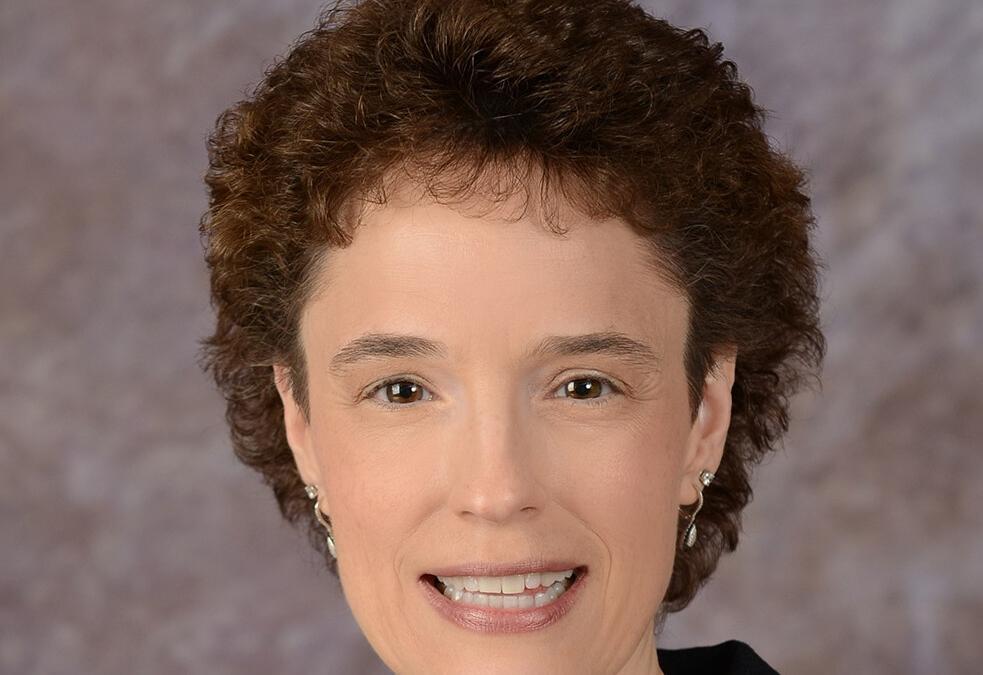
399, 392
402, 391
588, 386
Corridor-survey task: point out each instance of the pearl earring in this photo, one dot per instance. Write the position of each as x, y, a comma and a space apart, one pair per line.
311, 491
689, 534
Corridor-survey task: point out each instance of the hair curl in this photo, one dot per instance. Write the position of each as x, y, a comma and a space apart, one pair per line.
623, 113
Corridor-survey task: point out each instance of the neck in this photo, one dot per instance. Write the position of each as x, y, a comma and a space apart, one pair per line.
645, 659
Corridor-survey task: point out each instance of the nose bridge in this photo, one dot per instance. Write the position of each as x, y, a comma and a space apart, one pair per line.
494, 478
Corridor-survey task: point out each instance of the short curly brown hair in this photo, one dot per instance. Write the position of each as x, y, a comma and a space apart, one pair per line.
623, 113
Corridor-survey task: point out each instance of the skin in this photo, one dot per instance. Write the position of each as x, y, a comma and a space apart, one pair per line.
494, 459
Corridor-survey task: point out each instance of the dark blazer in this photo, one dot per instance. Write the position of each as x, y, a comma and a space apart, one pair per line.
727, 658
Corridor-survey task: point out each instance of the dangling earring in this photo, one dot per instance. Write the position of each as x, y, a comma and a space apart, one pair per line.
689, 534
312, 494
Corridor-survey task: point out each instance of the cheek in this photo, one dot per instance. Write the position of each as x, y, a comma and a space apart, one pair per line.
366, 484
373, 518
381, 485
626, 492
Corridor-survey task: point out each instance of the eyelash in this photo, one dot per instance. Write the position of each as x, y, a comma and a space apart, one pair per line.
592, 403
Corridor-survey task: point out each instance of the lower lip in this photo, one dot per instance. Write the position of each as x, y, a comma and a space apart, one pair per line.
512, 620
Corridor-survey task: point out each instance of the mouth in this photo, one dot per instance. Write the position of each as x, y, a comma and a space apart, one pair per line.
511, 603
508, 585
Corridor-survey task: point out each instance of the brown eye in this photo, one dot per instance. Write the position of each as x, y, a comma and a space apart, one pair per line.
589, 389
403, 391
400, 392
584, 387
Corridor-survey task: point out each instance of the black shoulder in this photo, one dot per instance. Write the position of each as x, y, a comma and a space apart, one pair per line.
732, 657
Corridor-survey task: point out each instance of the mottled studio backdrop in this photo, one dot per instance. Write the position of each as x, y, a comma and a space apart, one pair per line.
132, 542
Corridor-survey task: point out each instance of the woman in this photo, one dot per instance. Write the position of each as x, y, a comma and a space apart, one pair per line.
511, 297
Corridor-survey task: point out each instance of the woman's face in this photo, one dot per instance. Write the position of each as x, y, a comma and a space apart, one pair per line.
507, 438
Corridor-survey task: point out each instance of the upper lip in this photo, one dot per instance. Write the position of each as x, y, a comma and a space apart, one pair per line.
504, 569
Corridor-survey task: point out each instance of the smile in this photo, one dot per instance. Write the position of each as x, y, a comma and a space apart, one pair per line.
516, 591
508, 604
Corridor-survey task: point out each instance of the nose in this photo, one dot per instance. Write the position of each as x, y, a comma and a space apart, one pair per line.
495, 476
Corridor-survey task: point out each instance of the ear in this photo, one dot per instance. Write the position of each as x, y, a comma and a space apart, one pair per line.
705, 443
297, 429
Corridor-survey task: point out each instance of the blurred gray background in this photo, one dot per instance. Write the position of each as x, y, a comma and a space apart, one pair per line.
132, 541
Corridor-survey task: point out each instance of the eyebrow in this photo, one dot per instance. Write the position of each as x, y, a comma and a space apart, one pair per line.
397, 345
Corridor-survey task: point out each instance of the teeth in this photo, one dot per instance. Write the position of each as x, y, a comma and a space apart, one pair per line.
513, 584
490, 584
509, 585
507, 592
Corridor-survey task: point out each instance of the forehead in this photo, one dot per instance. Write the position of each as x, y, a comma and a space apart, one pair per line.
474, 275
